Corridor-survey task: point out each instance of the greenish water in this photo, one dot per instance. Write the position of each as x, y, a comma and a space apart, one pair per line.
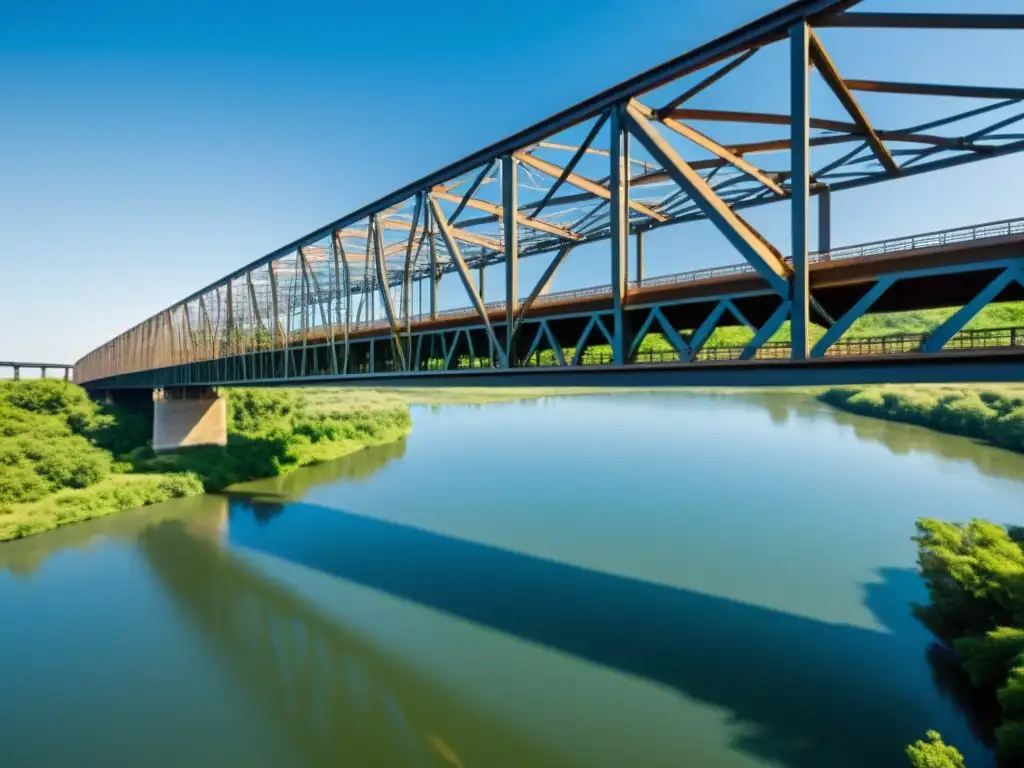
650, 580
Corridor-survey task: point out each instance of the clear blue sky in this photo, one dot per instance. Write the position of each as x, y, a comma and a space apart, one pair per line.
147, 149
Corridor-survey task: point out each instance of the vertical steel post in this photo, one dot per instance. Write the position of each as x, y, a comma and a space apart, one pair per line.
434, 277
509, 211
799, 52
619, 228
346, 275
639, 258
824, 221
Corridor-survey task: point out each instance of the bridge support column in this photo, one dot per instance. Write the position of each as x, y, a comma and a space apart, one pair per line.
17, 373
800, 128
187, 416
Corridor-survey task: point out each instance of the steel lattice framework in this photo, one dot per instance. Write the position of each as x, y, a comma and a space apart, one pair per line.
622, 163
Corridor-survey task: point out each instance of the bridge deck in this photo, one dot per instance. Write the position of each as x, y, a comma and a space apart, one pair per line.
831, 279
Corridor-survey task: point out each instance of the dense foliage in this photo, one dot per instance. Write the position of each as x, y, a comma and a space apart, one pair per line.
992, 414
65, 458
974, 573
274, 431
933, 753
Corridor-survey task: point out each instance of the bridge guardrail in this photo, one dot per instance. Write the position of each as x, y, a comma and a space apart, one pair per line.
1006, 228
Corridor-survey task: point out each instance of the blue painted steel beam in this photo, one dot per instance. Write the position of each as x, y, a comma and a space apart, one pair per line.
843, 324
772, 324
948, 367
941, 335
800, 185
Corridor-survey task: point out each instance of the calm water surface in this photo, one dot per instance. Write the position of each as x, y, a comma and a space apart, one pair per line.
650, 580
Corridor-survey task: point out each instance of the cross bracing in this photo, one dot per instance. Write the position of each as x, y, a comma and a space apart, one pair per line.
644, 154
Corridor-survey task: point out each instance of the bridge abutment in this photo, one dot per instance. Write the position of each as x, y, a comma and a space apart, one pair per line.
188, 416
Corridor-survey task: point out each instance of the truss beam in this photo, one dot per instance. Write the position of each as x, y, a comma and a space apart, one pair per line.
497, 212
823, 62
467, 278
764, 259
583, 183
1000, 21
932, 89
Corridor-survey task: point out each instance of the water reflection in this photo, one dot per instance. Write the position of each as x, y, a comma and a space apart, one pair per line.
338, 698
797, 688
899, 439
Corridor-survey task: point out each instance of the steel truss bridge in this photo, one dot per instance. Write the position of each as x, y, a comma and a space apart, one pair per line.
621, 164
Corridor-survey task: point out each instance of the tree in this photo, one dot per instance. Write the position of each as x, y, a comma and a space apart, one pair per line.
933, 753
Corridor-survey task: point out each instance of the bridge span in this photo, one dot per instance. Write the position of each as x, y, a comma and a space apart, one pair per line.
613, 169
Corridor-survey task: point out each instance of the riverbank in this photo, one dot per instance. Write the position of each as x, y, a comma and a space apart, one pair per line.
65, 459
994, 414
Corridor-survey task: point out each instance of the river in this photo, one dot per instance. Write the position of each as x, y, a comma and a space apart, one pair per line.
632, 580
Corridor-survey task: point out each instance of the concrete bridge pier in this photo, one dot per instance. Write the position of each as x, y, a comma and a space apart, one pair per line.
187, 416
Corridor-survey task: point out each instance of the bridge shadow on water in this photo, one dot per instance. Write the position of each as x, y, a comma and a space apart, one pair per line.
802, 693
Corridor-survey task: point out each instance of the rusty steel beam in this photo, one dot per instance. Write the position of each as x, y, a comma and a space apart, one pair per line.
712, 146
583, 183
496, 210
827, 68
929, 89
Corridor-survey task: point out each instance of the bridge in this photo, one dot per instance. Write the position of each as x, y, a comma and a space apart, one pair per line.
41, 367
340, 304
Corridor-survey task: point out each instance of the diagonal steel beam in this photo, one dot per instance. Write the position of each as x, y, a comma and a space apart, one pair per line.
712, 146
530, 223
484, 173
707, 82
765, 260
827, 68
583, 183
385, 292
580, 151
543, 282
467, 279
932, 89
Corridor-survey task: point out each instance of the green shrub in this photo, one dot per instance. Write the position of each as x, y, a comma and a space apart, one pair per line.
1010, 741
988, 659
19, 482
114, 494
966, 415
933, 753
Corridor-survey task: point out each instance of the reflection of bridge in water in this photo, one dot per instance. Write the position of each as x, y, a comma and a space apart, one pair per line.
341, 699
342, 696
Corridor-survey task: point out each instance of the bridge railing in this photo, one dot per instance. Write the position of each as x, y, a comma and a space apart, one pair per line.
954, 236
985, 338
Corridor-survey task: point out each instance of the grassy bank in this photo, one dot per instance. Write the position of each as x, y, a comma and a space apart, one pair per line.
64, 458
994, 414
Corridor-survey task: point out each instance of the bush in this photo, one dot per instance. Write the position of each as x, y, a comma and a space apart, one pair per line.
19, 482
993, 415
933, 753
111, 495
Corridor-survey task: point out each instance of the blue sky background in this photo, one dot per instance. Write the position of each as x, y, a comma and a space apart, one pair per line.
147, 149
